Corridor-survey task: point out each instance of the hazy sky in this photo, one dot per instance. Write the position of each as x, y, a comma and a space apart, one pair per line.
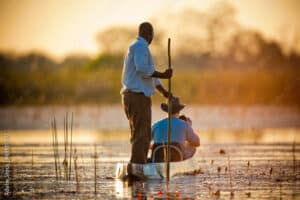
60, 27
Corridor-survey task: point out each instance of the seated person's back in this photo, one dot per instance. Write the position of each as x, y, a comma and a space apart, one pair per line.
182, 132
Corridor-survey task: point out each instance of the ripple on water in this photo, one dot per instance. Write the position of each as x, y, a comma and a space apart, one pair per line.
250, 174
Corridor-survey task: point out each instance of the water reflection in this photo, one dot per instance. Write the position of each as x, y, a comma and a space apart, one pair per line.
137, 189
178, 187
84, 136
269, 174
32, 169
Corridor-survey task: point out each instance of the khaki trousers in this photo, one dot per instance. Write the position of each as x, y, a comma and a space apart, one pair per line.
137, 108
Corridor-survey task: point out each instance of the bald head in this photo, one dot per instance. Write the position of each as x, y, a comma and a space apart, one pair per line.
146, 31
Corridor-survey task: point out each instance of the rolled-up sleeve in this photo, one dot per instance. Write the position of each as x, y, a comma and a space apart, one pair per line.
191, 137
141, 58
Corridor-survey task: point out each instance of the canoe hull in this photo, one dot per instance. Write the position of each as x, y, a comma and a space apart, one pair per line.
156, 170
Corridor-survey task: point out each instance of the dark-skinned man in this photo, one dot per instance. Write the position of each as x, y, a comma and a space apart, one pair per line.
140, 80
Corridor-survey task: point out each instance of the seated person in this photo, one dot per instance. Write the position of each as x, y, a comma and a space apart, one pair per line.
182, 134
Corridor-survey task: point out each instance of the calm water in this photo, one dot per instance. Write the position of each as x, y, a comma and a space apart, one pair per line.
112, 117
273, 171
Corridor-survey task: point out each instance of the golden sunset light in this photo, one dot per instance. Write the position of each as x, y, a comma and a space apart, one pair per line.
62, 27
156, 99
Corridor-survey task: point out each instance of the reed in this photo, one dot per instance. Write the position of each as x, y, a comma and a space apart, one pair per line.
70, 159
294, 158
32, 161
55, 149
75, 157
95, 168
219, 170
248, 165
271, 171
230, 179
65, 162
12, 174
209, 183
68, 145
249, 173
280, 191
32, 179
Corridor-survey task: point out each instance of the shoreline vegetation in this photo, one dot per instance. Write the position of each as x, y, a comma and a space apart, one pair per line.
228, 64
76, 86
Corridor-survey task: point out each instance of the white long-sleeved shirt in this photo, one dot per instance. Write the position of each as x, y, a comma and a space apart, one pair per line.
138, 68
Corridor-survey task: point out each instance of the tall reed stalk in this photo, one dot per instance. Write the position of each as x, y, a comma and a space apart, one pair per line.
55, 147
230, 179
65, 162
95, 168
294, 158
68, 142
32, 180
70, 161
76, 170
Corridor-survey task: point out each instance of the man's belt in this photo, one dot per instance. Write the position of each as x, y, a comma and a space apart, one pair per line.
133, 92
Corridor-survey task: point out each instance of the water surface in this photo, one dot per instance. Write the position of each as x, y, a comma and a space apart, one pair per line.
263, 165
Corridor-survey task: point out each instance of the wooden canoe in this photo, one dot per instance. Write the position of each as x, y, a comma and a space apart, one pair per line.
157, 170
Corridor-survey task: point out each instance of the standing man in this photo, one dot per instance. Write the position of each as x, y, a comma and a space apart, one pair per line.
140, 79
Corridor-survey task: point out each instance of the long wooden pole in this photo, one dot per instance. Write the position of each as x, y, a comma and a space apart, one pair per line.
169, 115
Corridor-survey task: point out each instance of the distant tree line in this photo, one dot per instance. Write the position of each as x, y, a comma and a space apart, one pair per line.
216, 57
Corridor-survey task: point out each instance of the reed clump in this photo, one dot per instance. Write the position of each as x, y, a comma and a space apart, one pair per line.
68, 145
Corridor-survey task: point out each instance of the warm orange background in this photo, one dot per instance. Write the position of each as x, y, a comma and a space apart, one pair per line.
61, 27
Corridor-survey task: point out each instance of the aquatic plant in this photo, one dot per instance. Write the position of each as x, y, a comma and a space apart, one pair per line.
71, 147
230, 179
65, 162
95, 168
68, 129
219, 170
294, 158
248, 194
216, 193
32, 164
76, 170
222, 151
248, 165
55, 147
